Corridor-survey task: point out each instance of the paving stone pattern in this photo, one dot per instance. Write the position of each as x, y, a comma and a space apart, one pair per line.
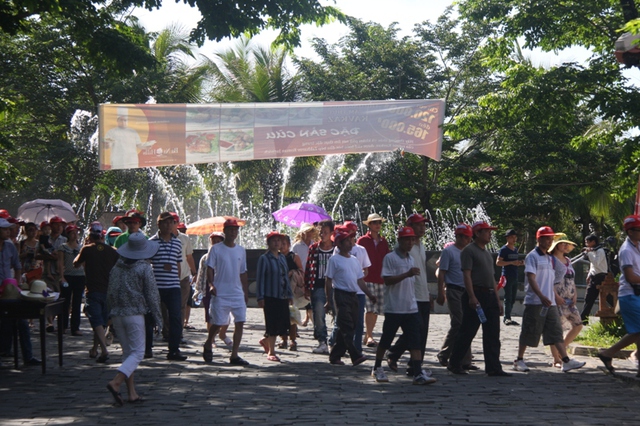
306, 389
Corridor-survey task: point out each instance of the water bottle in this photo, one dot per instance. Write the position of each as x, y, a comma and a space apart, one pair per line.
65, 284
544, 310
198, 300
568, 302
481, 315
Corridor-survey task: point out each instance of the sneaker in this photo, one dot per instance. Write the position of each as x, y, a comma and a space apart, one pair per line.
321, 349
572, 365
423, 379
33, 361
509, 321
519, 365
379, 374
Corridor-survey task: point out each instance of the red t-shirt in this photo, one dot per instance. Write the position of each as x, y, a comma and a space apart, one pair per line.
376, 253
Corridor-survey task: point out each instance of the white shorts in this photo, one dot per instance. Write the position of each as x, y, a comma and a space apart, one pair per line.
219, 310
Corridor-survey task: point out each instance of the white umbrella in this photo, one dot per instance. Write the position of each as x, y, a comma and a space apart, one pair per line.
39, 210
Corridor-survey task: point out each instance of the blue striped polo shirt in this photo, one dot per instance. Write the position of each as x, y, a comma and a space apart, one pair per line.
169, 253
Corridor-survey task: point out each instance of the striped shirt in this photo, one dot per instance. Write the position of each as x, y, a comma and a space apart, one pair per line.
272, 277
169, 253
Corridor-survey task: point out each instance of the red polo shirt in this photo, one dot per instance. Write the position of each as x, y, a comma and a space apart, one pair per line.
376, 255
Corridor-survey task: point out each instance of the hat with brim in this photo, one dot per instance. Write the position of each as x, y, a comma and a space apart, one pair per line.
217, 234
4, 223
481, 225
39, 292
138, 247
341, 235
374, 217
558, 238
273, 234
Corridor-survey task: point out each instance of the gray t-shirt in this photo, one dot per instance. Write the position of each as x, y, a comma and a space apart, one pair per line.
450, 262
480, 262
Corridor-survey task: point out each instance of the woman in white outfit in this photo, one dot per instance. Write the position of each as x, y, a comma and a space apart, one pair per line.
132, 293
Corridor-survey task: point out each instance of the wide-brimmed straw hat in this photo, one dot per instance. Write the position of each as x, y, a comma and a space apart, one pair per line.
374, 217
138, 247
307, 227
560, 238
39, 292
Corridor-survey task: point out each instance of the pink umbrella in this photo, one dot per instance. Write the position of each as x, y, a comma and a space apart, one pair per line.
298, 213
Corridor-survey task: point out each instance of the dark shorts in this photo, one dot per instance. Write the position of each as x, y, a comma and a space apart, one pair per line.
95, 308
534, 326
410, 324
276, 316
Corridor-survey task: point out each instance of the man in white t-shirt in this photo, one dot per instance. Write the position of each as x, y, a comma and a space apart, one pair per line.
401, 308
628, 292
418, 223
345, 277
227, 279
540, 315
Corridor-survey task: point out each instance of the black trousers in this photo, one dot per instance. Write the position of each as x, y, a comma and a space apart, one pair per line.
591, 295
469, 329
346, 306
396, 351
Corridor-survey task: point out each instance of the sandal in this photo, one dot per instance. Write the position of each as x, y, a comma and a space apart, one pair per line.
238, 361
273, 358
606, 360
93, 353
293, 346
116, 395
282, 344
207, 355
102, 359
138, 400
371, 343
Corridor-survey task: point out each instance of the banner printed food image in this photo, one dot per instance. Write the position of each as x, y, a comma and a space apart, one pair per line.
168, 134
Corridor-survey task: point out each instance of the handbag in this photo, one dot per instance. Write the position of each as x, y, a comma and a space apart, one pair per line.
297, 283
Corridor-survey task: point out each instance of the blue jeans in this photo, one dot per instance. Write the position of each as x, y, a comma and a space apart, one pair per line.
72, 295
172, 299
318, 299
510, 292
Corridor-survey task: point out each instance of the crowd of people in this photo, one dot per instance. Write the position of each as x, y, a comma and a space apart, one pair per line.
139, 286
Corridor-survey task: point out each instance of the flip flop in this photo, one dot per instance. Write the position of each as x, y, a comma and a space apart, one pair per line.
273, 358
138, 400
606, 360
93, 353
228, 341
102, 359
116, 395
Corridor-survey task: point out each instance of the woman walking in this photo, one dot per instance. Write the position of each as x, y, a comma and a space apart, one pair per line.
72, 280
566, 294
296, 279
132, 293
274, 294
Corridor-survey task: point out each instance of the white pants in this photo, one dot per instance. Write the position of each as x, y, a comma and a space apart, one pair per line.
131, 333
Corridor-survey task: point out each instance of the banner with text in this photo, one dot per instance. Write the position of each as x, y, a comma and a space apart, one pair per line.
151, 135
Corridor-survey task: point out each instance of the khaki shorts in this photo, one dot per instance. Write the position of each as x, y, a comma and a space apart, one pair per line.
534, 326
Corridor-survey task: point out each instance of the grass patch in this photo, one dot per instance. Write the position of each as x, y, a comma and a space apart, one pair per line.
602, 336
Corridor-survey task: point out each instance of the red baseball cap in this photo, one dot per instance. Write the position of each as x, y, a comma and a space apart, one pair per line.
339, 234
71, 228
416, 218
44, 223
181, 225
545, 231
350, 226
464, 229
480, 225
4, 214
273, 234
175, 217
117, 219
230, 223
632, 221
406, 231
57, 219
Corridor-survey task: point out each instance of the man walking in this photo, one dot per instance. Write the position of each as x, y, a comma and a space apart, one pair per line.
377, 248
481, 294
451, 280
598, 268
540, 315
508, 260
418, 224
166, 268
401, 308
227, 280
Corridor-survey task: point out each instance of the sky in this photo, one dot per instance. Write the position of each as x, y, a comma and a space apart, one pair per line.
406, 13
